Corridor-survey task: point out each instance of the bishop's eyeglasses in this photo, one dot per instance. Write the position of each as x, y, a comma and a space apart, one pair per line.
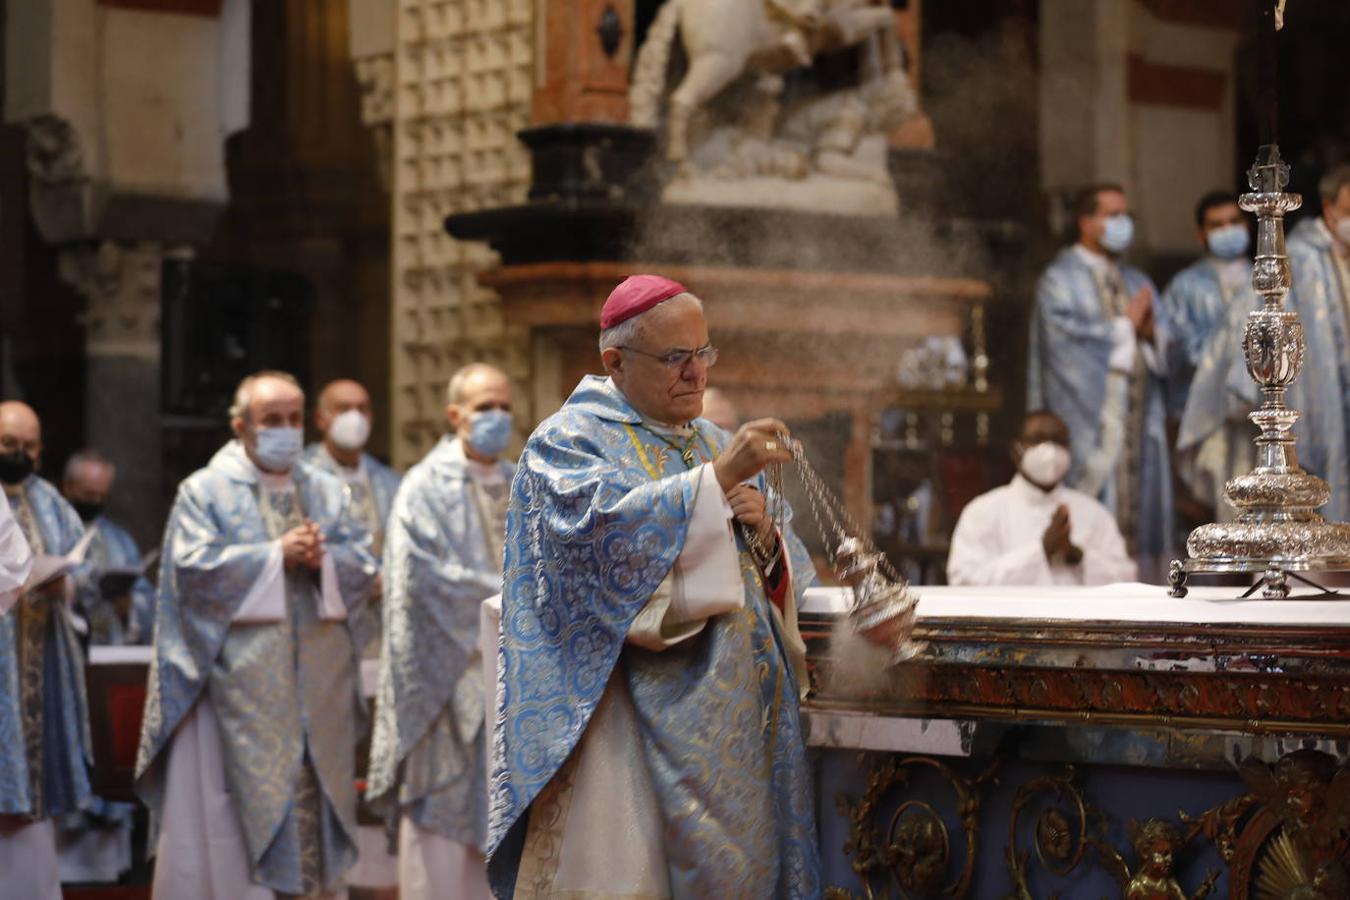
678, 358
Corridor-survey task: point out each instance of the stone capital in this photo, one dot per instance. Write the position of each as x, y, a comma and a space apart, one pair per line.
120, 281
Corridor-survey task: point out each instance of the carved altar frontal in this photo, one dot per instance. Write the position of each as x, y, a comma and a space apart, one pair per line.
1117, 656
1079, 742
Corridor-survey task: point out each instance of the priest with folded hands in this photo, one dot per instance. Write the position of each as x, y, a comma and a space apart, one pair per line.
248, 746
1035, 530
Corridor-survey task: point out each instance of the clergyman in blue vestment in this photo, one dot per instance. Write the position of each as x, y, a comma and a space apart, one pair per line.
118, 602
248, 745
122, 612
45, 750
343, 416
1210, 393
1319, 260
647, 740
442, 559
1097, 359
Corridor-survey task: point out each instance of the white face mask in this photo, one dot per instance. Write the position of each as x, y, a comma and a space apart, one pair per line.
1046, 463
350, 430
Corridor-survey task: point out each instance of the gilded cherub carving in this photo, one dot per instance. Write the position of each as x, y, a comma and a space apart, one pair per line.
1156, 843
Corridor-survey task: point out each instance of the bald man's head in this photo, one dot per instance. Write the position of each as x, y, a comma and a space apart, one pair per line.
270, 402
20, 441
339, 396
342, 416
478, 390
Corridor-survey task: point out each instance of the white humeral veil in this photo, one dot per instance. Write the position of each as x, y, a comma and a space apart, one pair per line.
596, 829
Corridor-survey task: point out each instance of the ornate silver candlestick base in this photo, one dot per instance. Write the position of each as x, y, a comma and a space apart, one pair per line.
1278, 531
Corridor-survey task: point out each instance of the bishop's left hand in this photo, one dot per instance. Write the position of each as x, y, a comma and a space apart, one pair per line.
749, 508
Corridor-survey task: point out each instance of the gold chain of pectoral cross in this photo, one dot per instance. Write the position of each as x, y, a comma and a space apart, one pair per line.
686, 451
765, 556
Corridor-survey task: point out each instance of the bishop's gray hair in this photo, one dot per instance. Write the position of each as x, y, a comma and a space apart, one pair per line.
87, 456
627, 331
244, 393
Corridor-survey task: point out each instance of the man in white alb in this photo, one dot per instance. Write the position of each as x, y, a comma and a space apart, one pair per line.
1035, 530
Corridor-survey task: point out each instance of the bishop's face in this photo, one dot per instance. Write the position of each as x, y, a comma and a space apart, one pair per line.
668, 393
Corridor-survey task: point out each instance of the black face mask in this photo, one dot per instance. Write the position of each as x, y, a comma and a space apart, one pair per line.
15, 466
88, 511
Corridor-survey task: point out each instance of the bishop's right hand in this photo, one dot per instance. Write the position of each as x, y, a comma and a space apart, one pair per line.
757, 444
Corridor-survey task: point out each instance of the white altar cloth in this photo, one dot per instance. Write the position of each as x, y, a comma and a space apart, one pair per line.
1113, 603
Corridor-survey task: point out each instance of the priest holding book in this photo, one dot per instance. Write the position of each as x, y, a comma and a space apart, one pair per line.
111, 588
44, 718
16, 559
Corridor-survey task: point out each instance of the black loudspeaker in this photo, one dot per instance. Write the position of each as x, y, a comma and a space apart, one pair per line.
223, 321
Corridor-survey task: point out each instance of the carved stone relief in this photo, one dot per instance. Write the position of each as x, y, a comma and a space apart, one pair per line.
121, 282
752, 122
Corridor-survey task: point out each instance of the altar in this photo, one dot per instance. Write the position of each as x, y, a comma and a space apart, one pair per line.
1069, 741
1088, 742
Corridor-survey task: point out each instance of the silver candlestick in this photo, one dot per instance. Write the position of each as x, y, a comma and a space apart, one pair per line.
1278, 530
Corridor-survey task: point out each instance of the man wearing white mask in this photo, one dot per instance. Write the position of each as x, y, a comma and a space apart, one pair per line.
1097, 359
1035, 530
443, 558
342, 416
249, 738
1209, 391
1319, 255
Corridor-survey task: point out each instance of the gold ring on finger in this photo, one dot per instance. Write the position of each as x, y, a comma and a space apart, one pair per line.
771, 446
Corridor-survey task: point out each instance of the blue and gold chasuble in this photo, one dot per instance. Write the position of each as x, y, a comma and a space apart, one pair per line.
1117, 425
1198, 302
599, 512
372, 489
442, 559
1209, 388
44, 720
285, 693
372, 496
1321, 297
